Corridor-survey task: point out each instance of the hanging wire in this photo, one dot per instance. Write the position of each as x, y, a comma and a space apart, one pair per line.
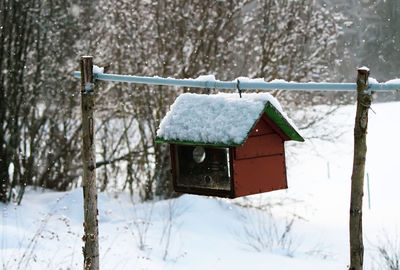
207, 88
238, 88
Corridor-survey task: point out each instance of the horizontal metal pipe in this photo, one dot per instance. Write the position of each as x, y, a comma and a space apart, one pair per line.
243, 84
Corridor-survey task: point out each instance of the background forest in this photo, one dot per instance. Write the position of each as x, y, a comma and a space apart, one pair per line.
41, 42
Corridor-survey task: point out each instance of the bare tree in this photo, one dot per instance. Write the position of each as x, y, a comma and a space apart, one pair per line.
39, 44
185, 39
30, 45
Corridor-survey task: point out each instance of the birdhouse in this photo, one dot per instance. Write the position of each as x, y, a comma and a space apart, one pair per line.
226, 146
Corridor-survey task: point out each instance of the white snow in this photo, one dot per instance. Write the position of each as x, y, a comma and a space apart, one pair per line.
372, 80
207, 233
364, 68
97, 69
247, 79
394, 81
210, 78
214, 119
278, 81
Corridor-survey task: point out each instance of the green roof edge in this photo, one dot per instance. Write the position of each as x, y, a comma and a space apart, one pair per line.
277, 117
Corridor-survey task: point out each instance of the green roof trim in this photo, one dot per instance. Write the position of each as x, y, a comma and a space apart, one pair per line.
282, 123
274, 114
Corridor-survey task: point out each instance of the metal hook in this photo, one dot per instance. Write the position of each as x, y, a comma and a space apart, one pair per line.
207, 88
238, 88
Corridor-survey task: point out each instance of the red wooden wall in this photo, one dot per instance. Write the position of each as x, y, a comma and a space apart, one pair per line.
259, 165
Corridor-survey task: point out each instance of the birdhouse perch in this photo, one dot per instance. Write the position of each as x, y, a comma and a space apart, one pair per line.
226, 146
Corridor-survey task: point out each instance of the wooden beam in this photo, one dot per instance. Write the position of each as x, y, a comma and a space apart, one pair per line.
90, 225
364, 99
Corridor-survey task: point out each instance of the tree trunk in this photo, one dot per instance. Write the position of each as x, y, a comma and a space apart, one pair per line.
90, 225
4, 176
364, 99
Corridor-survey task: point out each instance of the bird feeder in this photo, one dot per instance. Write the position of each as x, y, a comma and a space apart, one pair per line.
226, 146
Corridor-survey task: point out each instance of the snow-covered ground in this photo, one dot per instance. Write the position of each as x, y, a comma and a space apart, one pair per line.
194, 232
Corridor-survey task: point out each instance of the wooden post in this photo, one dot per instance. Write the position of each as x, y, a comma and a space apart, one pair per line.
90, 225
364, 99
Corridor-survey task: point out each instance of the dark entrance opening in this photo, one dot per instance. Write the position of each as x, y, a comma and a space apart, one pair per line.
201, 167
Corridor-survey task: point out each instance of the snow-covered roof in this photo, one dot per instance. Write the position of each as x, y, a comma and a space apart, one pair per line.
222, 119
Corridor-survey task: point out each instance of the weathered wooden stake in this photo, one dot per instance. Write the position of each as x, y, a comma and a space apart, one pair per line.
90, 225
364, 99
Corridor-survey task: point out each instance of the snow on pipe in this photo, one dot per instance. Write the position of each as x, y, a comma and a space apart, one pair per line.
246, 83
